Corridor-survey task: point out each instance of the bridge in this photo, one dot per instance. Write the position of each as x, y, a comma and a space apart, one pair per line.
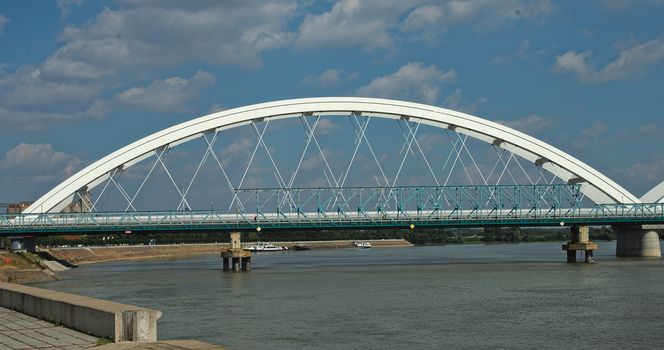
395, 164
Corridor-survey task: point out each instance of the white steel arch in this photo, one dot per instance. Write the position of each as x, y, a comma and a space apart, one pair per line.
596, 186
656, 195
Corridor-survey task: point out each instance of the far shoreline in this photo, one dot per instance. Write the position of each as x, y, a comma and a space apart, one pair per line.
100, 254
48, 262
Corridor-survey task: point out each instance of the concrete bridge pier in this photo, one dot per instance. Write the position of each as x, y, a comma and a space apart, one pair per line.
640, 241
246, 264
236, 264
236, 261
235, 257
580, 241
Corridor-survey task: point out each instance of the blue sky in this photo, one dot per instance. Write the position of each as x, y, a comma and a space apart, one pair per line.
79, 79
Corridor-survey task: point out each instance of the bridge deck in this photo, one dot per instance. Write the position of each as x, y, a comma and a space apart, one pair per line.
212, 221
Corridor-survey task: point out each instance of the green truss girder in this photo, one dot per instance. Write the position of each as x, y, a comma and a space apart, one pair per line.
359, 207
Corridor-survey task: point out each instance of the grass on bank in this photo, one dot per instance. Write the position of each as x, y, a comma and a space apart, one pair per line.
103, 341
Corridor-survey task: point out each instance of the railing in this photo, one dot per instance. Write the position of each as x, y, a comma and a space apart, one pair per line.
540, 205
407, 198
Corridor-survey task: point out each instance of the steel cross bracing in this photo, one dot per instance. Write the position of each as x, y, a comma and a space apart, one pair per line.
423, 200
363, 207
458, 158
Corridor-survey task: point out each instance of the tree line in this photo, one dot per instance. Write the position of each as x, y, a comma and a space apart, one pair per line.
415, 236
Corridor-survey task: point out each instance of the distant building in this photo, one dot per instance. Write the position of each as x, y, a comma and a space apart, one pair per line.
17, 208
80, 204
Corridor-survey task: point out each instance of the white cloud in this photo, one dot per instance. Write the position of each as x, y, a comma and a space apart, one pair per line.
591, 135
328, 77
595, 130
216, 107
376, 24
617, 6
30, 102
523, 52
530, 124
631, 62
413, 81
214, 32
29, 121
28, 90
524, 49
430, 141
642, 176
61, 66
312, 163
64, 6
624, 43
453, 101
572, 62
98, 109
167, 94
113, 49
325, 127
40, 162
456, 102
421, 18
353, 23
646, 131
33, 155
432, 19
3, 22
238, 149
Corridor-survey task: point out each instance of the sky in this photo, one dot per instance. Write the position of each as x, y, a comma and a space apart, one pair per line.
80, 79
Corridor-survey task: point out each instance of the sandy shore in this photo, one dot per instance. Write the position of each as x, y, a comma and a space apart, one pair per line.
89, 255
26, 270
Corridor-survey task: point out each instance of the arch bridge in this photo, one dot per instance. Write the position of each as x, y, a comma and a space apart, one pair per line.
356, 162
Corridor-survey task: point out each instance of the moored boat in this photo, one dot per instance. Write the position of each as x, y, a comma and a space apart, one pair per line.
263, 247
362, 244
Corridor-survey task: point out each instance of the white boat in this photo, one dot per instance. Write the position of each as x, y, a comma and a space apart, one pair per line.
362, 244
263, 247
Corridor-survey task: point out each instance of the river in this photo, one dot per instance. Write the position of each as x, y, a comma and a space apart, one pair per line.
427, 297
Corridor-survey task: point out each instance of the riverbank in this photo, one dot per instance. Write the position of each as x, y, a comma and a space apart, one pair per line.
23, 268
90, 255
29, 268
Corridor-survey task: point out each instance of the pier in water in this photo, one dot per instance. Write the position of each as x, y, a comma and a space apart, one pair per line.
431, 297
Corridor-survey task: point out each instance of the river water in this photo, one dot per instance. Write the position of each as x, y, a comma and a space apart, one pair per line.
431, 297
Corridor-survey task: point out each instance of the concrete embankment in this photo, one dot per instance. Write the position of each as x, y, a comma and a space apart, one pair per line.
23, 268
128, 326
88, 255
100, 318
